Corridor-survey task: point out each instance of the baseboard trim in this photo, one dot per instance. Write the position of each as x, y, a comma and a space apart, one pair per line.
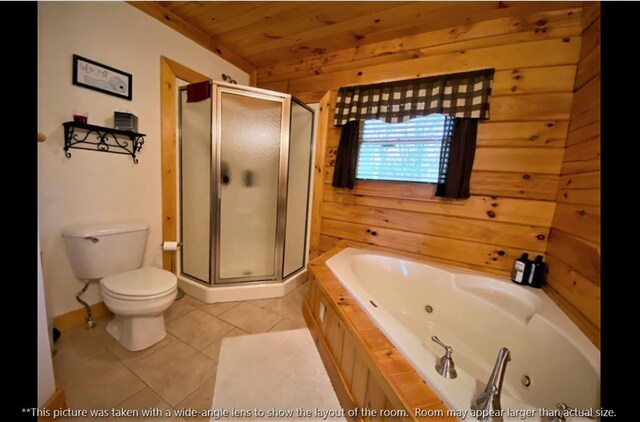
57, 401
75, 318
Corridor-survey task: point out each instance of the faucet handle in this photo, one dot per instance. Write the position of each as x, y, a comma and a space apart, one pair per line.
444, 365
448, 349
564, 407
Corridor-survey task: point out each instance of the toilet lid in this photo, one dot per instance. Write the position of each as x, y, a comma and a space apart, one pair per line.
145, 281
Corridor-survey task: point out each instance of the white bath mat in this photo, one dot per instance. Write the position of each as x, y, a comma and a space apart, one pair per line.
280, 374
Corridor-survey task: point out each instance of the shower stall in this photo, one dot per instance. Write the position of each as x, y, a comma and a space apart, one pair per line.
245, 169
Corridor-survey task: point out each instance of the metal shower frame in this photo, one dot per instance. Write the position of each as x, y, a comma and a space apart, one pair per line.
218, 89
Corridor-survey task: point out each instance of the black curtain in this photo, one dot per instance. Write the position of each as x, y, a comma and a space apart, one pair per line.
344, 175
461, 152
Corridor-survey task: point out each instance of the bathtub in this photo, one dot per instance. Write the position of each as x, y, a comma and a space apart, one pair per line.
476, 314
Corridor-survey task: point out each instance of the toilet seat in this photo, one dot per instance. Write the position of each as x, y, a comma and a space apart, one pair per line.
144, 283
106, 292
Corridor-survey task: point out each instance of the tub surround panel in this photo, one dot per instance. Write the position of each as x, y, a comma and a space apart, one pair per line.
573, 252
338, 379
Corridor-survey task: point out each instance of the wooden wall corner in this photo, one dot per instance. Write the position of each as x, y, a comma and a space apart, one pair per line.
170, 71
573, 250
325, 121
253, 78
590, 12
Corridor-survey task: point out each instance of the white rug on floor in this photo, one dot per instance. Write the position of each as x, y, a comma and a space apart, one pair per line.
274, 372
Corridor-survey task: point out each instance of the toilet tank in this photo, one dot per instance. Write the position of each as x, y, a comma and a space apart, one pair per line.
99, 250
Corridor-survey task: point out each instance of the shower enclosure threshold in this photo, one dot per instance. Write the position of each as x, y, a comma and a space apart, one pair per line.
233, 292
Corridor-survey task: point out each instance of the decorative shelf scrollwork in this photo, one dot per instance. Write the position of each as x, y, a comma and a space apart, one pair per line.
130, 143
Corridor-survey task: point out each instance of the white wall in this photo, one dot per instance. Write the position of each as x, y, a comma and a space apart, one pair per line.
91, 186
46, 384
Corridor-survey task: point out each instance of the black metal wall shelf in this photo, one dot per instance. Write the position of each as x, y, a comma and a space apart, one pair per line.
107, 139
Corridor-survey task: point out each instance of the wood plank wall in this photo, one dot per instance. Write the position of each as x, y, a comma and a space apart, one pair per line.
530, 44
523, 177
573, 251
520, 149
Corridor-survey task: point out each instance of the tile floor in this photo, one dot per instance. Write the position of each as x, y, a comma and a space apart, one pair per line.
95, 372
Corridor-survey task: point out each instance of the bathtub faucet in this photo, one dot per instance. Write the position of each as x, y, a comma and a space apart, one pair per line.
444, 365
487, 403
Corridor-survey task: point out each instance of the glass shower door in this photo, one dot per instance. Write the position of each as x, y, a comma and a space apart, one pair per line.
250, 175
195, 188
300, 143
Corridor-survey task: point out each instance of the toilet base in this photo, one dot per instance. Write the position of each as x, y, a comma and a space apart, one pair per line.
136, 333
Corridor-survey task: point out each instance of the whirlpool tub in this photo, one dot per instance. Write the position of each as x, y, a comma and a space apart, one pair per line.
410, 301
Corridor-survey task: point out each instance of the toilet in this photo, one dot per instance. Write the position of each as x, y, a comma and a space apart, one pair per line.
137, 295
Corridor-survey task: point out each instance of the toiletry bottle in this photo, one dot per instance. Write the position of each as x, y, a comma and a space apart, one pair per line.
521, 269
533, 272
538, 272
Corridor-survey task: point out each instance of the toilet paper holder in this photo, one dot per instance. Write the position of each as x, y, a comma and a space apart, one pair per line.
170, 246
173, 246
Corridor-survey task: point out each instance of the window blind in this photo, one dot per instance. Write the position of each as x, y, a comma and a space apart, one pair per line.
408, 151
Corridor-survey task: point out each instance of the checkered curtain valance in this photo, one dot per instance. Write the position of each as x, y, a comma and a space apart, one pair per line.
464, 95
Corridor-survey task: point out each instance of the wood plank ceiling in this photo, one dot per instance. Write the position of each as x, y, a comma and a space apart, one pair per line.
254, 35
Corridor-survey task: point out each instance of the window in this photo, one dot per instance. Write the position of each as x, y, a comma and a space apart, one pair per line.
408, 151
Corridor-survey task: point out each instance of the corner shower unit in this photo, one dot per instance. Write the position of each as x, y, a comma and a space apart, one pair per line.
245, 169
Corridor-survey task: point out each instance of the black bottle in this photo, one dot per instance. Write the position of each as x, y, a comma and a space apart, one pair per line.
521, 269
537, 273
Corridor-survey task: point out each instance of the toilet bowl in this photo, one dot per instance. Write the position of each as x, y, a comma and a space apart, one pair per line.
138, 299
137, 295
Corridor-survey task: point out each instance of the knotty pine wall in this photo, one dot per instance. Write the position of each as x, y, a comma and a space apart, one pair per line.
520, 151
527, 38
573, 250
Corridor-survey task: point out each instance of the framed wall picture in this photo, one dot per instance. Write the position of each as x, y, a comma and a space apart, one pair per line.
99, 77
